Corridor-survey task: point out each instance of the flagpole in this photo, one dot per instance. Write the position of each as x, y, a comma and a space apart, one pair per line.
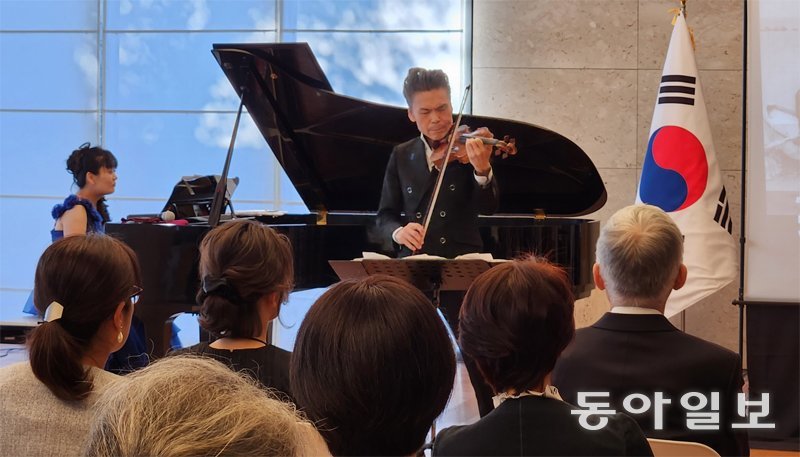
743, 209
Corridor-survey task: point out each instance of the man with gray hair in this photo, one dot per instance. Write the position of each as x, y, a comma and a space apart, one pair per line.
676, 386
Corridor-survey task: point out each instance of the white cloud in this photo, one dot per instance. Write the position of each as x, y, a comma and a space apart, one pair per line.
125, 7
215, 129
86, 59
198, 19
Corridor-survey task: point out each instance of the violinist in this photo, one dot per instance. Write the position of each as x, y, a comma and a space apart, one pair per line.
468, 188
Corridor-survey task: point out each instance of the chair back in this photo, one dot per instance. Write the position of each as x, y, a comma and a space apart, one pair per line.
669, 448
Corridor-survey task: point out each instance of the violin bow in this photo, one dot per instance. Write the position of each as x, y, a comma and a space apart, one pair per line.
440, 178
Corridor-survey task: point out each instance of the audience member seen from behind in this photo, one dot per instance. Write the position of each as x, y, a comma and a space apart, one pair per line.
189, 406
634, 349
85, 287
373, 367
246, 273
516, 320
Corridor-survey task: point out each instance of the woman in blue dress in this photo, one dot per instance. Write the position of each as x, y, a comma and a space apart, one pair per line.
94, 173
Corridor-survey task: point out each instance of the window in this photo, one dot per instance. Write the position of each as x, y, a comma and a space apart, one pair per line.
138, 77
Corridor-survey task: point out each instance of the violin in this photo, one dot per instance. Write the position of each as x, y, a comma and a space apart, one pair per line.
504, 148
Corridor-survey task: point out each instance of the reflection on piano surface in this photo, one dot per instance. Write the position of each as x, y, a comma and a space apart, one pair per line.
334, 149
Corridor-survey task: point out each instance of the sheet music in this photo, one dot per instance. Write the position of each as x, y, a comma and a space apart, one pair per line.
485, 256
260, 212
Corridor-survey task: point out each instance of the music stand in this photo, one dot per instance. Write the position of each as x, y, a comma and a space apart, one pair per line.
193, 196
429, 276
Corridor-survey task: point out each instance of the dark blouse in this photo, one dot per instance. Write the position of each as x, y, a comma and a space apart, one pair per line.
268, 365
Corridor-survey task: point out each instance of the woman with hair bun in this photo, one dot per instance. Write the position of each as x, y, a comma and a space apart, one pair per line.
93, 170
85, 287
246, 273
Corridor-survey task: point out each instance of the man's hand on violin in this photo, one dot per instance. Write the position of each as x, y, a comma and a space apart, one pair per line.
479, 153
411, 236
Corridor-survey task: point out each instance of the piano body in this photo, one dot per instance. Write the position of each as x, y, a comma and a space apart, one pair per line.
335, 148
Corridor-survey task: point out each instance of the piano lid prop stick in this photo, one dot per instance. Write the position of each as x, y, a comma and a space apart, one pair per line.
221, 190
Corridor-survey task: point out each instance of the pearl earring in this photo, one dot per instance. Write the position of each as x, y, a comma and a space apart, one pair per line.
120, 337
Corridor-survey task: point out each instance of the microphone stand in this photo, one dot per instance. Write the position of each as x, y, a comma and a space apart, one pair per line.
220, 192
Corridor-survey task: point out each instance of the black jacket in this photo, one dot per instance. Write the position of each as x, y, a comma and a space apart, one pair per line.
407, 187
540, 426
625, 353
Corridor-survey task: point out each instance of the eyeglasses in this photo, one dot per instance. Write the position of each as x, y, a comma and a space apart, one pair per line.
136, 291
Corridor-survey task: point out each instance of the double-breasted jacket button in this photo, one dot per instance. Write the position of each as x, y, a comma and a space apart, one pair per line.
452, 187
443, 240
419, 215
442, 214
408, 189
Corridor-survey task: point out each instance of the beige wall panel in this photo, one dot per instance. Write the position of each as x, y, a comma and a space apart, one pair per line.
621, 188
717, 26
715, 319
723, 93
555, 33
594, 108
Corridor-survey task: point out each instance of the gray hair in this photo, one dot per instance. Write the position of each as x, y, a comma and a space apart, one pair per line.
639, 252
184, 405
422, 80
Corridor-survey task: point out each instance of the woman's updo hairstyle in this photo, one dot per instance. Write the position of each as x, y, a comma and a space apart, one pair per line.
240, 263
88, 158
89, 276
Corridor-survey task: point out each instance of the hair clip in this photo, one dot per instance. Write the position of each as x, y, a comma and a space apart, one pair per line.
53, 312
86, 145
212, 283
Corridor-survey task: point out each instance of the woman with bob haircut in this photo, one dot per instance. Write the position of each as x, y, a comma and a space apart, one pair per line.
373, 367
193, 406
85, 287
246, 273
516, 320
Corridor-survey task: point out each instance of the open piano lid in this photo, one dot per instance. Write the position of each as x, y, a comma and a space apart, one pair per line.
335, 148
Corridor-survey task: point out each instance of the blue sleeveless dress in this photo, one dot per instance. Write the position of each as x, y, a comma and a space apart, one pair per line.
133, 354
94, 221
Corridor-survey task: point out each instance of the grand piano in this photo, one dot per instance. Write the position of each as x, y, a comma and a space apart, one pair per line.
335, 148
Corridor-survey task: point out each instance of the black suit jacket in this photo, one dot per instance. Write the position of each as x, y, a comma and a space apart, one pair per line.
407, 187
624, 354
540, 426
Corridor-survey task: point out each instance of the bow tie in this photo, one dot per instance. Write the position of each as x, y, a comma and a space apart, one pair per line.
436, 143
